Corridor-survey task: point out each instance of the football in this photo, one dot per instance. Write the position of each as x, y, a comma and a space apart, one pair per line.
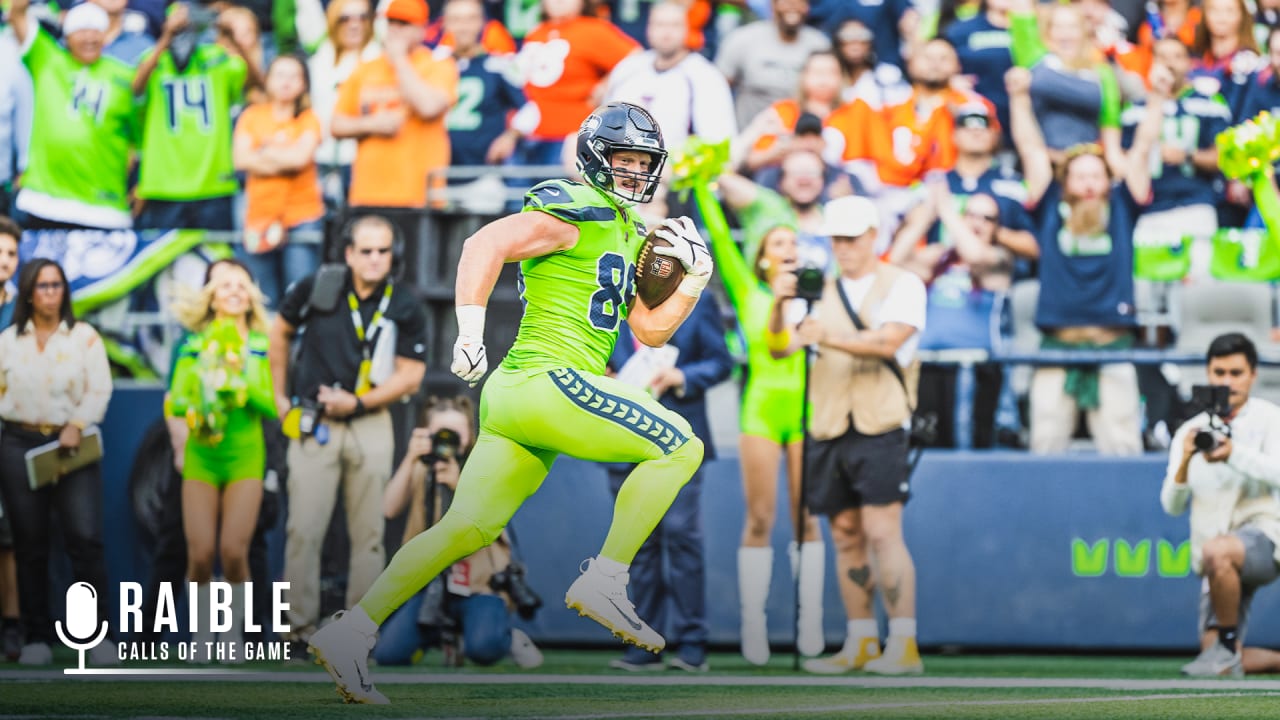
657, 276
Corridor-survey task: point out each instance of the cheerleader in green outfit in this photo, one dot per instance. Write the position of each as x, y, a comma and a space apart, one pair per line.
770, 425
225, 454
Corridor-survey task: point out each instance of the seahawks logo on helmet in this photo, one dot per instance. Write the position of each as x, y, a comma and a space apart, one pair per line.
615, 127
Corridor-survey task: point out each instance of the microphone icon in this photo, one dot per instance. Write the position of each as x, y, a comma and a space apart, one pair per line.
82, 621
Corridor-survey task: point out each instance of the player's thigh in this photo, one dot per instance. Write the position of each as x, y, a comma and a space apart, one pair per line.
598, 418
499, 475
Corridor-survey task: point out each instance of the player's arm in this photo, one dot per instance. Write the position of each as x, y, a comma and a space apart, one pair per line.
175, 22
655, 326
509, 239
18, 21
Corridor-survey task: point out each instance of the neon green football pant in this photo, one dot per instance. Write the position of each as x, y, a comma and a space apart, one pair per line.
525, 422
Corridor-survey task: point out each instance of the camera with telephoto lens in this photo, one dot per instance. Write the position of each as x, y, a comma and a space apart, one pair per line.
1215, 400
511, 581
446, 444
810, 279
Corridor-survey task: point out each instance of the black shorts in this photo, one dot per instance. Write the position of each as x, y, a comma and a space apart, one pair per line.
854, 470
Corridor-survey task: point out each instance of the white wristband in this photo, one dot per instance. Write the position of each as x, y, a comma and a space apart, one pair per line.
470, 321
692, 285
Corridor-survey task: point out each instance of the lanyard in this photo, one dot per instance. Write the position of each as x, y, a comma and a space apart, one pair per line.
372, 330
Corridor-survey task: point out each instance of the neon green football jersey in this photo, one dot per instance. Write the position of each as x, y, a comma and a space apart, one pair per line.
187, 126
86, 124
575, 299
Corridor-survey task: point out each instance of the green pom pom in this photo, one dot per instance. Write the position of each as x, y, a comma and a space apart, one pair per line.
698, 164
1251, 147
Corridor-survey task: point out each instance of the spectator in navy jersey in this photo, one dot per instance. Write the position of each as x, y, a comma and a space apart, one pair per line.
890, 22
982, 43
1264, 86
1086, 221
481, 129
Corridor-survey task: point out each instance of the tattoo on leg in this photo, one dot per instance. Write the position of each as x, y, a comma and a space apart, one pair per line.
891, 593
861, 576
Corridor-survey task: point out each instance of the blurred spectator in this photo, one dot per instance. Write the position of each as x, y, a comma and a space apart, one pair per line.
866, 76
260, 16
240, 34
671, 591
492, 37
863, 390
1178, 18
10, 628
275, 144
222, 475
1107, 29
519, 17
936, 21
982, 44
763, 59
797, 203
818, 94
893, 23
123, 44
464, 605
394, 106
349, 42
1266, 18
1235, 517
1225, 53
482, 130
683, 91
633, 17
1086, 224
16, 101
188, 88
358, 354
10, 237
84, 124
55, 383
1185, 185
1073, 89
564, 63
1264, 86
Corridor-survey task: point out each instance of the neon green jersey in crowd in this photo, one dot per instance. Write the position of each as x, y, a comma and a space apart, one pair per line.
576, 299
85, 125
187, 126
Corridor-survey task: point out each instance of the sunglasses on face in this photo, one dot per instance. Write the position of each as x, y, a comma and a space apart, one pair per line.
369, 252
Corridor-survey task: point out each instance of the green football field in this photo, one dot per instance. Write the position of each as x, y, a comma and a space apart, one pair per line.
577, 684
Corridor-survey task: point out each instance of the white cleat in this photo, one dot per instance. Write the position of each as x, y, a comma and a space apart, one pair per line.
525, 654
755, 639
342, 648
603, 598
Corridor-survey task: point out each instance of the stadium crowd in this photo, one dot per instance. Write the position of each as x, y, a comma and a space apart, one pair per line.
1068, 147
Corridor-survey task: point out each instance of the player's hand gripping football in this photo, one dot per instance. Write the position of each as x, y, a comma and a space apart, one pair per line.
688, 247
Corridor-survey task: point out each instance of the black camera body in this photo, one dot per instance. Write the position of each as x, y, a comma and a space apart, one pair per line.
1216, 401
445, 445
810, 281
511, 581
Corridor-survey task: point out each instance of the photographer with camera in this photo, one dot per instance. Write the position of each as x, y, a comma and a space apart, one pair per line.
473, 601
1225, 462
866, 324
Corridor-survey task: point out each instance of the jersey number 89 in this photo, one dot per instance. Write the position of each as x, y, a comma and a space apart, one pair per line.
617, 281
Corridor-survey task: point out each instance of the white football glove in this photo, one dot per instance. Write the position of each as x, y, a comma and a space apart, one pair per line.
690, 249
469, 359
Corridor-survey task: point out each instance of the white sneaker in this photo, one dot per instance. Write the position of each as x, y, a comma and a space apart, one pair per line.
755, 639
523, 652
603, 598
342, 648
36, 654
1215, 661
105, 655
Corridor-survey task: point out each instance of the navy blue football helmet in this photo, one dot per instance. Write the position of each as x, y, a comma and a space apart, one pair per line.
614, 127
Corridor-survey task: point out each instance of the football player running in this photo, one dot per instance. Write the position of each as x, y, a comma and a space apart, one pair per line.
577, 245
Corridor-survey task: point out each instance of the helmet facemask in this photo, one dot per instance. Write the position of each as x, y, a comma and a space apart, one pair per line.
647, 181
614, 128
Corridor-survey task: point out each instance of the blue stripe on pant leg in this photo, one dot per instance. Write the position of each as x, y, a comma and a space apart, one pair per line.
620, 411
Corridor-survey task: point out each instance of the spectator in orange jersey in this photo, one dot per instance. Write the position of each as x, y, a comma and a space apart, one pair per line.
395, 106
819, 94
564, 62
494, 37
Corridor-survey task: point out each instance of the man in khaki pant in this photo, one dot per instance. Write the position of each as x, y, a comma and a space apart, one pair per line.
360, 351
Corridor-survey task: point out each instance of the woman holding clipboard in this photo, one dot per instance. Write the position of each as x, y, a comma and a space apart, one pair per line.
54, 383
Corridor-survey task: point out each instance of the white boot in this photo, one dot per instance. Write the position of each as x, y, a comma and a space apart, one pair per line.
203, 633
235, 636
755, 569
813, 570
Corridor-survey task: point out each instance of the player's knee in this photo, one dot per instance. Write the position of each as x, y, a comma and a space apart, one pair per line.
1217, 557
472, 533
691, 453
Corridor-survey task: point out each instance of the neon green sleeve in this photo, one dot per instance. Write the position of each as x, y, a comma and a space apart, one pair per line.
1027, 46
262, 397
1109, 114
731, 265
